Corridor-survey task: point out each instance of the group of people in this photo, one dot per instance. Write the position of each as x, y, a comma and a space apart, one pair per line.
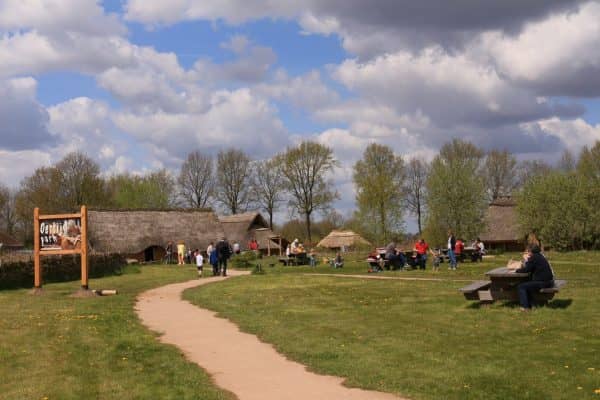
217, 256
395, 259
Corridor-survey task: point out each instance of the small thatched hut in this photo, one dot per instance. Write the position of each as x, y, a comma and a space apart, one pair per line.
9, 243
143, 234
343, 239
243, 227
502, 229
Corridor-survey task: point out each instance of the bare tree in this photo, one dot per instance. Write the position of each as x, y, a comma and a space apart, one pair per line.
8, 219
304, 168
80, 181
417, 172
196, 182
268, 186
500, 173
529, 169
233, 186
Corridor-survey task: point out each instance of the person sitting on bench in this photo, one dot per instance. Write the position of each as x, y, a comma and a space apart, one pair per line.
395, 258
542, 276
338, 261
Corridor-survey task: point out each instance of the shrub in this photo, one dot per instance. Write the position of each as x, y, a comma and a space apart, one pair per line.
244, 259
20, 274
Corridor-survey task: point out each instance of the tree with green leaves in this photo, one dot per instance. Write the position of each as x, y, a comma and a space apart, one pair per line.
233, 186
268, 186
379, 180
196, 180
154, 190
8, 220
305, 168
456, 192
588, 168
500, 173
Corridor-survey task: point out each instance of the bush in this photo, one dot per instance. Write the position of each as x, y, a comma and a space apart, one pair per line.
244, 259
58, 269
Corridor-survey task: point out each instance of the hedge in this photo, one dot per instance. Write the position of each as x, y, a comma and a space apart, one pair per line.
19, 274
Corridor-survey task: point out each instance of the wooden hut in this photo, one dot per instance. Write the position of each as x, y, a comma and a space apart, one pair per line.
243, 227
9, 243
502, 229
337, 240
143, 234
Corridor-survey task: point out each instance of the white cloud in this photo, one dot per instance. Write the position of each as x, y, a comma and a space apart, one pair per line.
574, 134
15, 165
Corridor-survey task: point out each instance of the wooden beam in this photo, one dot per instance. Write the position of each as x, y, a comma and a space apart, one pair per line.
37, 270
84, 249
59, 216
59, 252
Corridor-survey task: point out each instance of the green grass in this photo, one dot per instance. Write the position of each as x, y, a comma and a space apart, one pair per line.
421, 339
59, 347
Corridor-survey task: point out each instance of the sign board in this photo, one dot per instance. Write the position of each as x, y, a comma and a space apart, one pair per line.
60, 234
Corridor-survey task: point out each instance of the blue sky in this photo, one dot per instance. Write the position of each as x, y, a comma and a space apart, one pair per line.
143, 83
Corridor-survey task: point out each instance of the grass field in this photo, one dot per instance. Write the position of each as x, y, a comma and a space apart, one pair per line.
59, 347
421, 339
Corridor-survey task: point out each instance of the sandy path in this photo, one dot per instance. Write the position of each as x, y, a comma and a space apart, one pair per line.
238, 362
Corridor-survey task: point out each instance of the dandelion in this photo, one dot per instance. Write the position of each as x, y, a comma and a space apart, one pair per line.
597, 391
579, 388
566, 366
591, 369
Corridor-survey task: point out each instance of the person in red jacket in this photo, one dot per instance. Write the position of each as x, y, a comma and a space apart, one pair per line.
421, 248
459, 250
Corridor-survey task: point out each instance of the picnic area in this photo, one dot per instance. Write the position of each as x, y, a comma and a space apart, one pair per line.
410, 334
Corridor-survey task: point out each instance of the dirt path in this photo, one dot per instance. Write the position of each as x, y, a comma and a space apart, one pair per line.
237, 361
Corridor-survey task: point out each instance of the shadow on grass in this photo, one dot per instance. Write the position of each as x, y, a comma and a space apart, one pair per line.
554, 304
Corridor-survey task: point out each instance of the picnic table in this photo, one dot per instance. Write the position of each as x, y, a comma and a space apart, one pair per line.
468, 252
502, 285
295, 259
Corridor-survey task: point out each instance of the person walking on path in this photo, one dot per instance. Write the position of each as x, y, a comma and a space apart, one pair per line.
542, 276
223, 252
180, 252
451, 248
213, 259
199, 262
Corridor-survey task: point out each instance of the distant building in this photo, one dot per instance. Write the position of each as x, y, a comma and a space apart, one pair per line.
143, 234
338, 240
502, 229
243, 227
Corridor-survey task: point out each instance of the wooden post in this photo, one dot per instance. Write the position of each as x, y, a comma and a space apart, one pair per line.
37, 270
84, 249
268, 246
280, 246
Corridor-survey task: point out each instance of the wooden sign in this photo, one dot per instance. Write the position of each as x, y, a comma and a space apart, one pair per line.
60, 234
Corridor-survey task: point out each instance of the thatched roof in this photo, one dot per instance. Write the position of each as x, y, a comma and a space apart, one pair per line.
501, 222
243, 227
9, 242
337, 239
132, 231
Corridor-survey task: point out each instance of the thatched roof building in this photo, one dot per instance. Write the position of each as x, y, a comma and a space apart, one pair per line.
243, 227
502, 229
143, 234
9, 243
346, 239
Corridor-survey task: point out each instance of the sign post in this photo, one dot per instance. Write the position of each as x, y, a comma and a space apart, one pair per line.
60, 234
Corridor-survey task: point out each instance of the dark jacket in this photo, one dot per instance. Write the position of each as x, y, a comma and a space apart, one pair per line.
223, 250
452, 241
539, 268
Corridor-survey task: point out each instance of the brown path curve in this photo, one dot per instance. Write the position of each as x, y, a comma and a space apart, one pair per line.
237, 361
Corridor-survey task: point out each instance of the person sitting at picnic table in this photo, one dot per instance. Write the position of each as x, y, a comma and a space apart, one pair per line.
542, 276
338, 261
294, 247
395, 258
458, 250
421, 248
375, 261
479, 250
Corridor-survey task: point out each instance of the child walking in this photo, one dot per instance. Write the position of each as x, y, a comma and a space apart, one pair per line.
199, 262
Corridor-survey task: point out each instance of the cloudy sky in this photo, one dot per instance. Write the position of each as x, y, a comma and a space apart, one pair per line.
138, 84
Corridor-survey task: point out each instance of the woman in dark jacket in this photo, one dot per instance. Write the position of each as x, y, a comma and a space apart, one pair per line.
541, 275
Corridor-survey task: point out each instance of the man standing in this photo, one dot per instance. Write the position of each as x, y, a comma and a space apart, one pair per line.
223, 252
451, 248
169, 253
541, 275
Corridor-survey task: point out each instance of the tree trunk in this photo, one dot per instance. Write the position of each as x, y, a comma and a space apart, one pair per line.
308, 228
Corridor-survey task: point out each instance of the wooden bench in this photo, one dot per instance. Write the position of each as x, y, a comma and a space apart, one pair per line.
471, 291
558, 284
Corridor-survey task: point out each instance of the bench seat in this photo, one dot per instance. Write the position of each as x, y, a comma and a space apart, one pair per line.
471, 291
558, 284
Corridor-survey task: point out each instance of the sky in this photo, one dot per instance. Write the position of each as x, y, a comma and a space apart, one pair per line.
139, 84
